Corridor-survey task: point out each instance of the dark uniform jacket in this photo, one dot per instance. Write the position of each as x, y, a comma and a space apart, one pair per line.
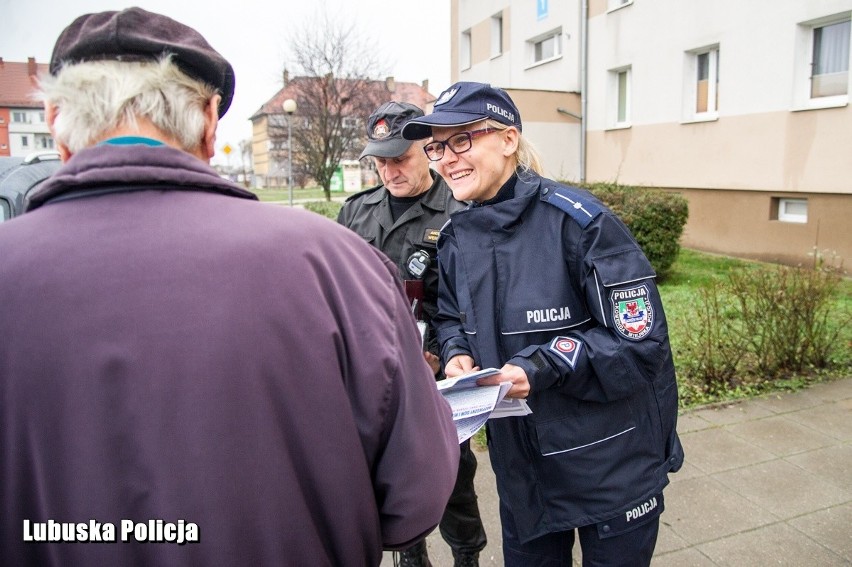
173, 350
368, 213
553, 282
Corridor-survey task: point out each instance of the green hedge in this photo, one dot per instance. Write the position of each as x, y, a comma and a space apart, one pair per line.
328, 209
655, 217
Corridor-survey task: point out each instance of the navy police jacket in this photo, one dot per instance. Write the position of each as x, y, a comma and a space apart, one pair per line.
553, 282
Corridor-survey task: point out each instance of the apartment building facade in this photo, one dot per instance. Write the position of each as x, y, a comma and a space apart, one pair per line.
23, 129
270, 128
743, 107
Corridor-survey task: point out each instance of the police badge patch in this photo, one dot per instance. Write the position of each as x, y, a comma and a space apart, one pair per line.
567, 349
381, 129
632, 311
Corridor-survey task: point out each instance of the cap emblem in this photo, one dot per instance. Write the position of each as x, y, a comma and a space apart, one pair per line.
446, 96
381, 129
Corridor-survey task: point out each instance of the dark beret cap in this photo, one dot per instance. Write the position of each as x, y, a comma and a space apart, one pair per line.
137, 35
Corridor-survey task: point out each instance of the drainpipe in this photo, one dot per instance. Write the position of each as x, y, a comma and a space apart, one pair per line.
584, 79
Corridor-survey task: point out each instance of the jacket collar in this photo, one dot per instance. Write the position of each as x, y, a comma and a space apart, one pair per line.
133, 167
505, 215
435, 197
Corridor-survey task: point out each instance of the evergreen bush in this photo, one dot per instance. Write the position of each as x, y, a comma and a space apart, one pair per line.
655, 217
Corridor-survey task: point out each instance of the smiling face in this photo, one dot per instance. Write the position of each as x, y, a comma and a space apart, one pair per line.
477, 174
406, 175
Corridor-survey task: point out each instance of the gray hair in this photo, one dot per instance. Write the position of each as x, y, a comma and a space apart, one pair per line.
526, 156
94, 98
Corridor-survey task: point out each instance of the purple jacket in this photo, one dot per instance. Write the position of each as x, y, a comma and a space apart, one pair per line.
173, 353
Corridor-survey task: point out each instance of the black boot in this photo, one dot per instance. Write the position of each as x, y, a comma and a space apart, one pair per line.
415, 556
462, 559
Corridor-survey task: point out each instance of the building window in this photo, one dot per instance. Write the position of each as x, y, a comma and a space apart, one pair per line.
464, 51
44, 142
821, 63
25, 141
351, 122
707, 81
497, 35
616, 4
19, 117
619, 88
546, 47
830, 60
791, 210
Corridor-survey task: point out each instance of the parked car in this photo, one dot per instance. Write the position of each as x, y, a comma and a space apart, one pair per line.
19, 176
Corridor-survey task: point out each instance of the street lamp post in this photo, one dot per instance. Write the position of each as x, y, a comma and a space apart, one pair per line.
289, 108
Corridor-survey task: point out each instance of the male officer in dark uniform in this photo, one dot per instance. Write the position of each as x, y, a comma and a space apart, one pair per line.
402, 217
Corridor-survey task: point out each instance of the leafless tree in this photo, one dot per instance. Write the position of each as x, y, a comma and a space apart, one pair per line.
335, 92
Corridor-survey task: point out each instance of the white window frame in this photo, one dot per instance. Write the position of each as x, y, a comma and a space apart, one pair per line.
25, 141
497, 35
350, 122
613, 5
691, 112
784, 215
802, 99
465, 51
534, 42
616, 121
841, 83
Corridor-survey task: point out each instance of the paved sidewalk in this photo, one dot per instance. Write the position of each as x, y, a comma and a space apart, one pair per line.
766, 481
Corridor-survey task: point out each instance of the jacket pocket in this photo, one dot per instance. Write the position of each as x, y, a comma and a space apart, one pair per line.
589, 429
623, 267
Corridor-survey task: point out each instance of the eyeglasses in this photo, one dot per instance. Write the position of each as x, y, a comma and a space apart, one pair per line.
458, 143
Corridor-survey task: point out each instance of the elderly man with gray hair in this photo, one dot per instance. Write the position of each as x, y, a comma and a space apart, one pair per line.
187, 377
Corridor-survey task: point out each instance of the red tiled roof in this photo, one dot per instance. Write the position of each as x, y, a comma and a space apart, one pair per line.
17, 86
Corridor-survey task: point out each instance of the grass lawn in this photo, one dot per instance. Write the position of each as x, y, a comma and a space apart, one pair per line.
283, 194
680, 293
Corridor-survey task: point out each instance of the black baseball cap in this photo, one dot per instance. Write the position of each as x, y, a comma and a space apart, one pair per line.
135, 34
465, 103
384, 129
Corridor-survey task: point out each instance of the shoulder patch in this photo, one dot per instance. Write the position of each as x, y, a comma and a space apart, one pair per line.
578, 206
632, 311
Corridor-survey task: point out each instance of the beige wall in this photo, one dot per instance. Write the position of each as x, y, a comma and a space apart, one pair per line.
804, 151
740, 223
480, 48
260, 146
556, 136
597, 7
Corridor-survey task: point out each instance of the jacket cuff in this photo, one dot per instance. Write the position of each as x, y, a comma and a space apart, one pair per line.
539, 373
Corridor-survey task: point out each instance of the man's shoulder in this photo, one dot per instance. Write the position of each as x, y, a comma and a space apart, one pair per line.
366, 194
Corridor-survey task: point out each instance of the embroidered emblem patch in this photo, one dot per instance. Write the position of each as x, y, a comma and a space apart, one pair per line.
381, 129
431, 235
632, 312
567, 349
446, 96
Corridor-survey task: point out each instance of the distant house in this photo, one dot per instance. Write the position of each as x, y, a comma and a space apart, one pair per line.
23, 129
743, 107
269, 123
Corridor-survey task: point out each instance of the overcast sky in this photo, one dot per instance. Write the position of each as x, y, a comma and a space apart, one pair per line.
413, 37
